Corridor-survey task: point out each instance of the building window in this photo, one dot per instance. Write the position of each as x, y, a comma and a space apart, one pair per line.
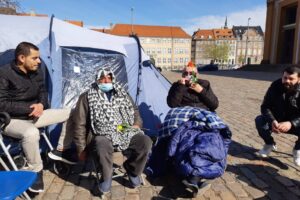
181, 60
169, 50
164, 60
158, 60
169, 60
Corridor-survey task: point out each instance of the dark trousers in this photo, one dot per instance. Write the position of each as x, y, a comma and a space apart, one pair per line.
136, 153
265, 131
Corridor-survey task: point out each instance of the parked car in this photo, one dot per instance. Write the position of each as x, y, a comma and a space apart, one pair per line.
209, 67
233, 66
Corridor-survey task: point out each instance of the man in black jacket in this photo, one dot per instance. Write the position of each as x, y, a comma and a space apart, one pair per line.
190, 91
23, 95
281, 112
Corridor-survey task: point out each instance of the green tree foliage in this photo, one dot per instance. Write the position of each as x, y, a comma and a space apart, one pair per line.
217, 52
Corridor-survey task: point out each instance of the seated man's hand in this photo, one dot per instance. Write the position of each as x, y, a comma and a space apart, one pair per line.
37, 110
284, 127
196, 87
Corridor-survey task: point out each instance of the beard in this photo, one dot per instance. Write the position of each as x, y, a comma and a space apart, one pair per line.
290, 87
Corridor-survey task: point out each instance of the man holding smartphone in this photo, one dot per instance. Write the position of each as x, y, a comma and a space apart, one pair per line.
281, 112
191, 91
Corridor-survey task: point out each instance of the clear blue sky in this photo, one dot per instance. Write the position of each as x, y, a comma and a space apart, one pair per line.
189, 14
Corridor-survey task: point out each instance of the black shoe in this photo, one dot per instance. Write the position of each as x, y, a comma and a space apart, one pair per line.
38, 185
66, 156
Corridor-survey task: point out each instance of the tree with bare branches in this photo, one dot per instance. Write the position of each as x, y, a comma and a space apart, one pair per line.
9, 6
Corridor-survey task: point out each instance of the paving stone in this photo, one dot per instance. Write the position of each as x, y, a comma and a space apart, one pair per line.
132, 190
272, 194
218, 188
255, 193
50, 196
295, 190
132, 197
117, 192
237, 189
248, 173
55, 187
285, 181
203, 198
227, 195
229, 178
210, 194
67, 192
83, 194
259, 183
146, 193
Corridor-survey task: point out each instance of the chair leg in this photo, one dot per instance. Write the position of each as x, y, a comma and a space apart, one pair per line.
43, 133
11, 161
5, 149
4, 165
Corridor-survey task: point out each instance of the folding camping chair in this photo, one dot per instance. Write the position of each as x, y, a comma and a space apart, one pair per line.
14, 183
4, 121
12, 150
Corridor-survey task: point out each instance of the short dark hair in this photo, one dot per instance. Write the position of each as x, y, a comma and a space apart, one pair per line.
24, 49
292, 70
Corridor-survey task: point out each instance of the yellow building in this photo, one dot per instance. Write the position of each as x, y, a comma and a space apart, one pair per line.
169, 46
282, 36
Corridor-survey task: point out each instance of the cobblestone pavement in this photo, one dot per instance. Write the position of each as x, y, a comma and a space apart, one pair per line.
246, 177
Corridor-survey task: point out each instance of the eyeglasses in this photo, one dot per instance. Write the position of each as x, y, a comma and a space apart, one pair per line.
185, 73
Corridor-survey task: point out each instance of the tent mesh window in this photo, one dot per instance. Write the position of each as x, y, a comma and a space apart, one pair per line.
79, 69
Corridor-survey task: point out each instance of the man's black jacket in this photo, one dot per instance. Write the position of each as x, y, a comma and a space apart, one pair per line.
18, 91
180, 95
277, 105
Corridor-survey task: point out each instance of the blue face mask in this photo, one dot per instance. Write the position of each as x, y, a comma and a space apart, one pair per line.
105, 87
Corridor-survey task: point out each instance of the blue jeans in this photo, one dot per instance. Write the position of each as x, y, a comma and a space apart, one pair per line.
265, 131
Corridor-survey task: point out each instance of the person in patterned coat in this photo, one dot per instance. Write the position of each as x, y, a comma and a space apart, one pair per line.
107, 120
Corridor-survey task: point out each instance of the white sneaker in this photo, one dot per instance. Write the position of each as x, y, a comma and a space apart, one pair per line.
266, 150
296, 154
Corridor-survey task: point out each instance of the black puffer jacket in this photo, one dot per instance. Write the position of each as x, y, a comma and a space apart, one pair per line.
18, 91
180, 95
277, 105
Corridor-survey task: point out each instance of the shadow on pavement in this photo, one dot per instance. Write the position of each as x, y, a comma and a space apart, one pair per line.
242, 151
170, 187
266, 179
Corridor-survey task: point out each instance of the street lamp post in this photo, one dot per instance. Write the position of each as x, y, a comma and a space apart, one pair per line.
131, 20
247, 38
